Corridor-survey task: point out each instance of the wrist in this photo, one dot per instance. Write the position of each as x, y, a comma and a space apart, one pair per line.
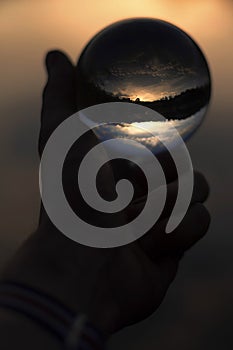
69, 328
54, 265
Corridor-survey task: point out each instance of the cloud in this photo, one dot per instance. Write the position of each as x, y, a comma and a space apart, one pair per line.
149, 81
149, 133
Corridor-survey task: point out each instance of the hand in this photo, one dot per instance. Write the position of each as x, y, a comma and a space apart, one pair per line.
114, 287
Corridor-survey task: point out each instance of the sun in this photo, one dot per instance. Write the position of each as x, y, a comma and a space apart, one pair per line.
145, 96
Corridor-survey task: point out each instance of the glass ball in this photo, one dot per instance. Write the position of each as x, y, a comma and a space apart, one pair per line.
148, 62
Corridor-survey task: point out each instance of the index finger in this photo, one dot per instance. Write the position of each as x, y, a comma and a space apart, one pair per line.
58, 95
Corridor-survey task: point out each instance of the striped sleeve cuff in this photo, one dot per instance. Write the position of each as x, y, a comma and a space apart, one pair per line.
73, 330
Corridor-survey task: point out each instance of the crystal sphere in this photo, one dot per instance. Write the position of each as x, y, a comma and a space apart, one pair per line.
148, 62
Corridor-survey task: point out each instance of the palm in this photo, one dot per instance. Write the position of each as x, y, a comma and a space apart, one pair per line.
139, 284
133, 279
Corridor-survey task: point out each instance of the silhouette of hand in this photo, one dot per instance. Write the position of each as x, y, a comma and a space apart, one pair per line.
114, 287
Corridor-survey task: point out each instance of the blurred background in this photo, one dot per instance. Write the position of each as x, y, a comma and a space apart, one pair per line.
198, 310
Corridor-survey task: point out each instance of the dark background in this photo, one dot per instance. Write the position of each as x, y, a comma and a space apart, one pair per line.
198, 310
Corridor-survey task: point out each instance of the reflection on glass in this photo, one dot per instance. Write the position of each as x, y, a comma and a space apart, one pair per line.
148, 62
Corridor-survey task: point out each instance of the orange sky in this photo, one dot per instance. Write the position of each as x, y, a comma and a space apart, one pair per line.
29, 28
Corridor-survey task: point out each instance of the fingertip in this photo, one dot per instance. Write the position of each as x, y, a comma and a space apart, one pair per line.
201, 188
168, 269
193, 227
56, 56
202, 214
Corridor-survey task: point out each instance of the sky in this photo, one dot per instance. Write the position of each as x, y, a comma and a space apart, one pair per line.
144, 61
29, 28
152, 81
196, 313
157, 91
149, 133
